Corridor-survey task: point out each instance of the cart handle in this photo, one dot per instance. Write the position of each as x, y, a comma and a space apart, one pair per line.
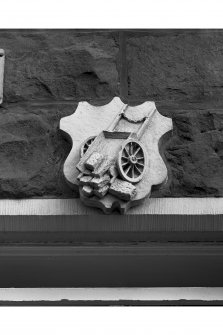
116, 120
141, 129
145, 124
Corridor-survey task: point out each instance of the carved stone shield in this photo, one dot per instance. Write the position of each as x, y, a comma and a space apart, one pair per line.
115, 158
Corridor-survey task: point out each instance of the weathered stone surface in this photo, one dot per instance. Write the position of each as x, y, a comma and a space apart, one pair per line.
48, 66
194, 154
175, 69
99, 182
101, 192
175, 65
93, 161
59, 65
182, 71
32, 151
123, 189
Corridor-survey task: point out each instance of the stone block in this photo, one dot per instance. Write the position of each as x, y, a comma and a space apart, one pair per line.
87, 191
102, 191
98, 182
123, 190
176, 65
85, 180
59, 65
94, 161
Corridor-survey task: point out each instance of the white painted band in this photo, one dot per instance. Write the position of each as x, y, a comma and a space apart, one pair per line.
151, 206
112, 294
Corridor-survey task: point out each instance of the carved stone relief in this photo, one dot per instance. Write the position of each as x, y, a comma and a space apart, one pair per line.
115, 158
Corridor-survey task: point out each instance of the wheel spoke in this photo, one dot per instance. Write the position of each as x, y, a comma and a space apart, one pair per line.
137, 150
124, 163
133, 171
126, 172
124, 157
130, 148
140, 164
138, 169
130, 171
140, 157
126, 152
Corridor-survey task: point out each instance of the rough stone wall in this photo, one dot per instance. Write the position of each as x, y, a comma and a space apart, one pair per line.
48, 71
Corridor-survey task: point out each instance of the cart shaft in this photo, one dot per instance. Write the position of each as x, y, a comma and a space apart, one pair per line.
145, 124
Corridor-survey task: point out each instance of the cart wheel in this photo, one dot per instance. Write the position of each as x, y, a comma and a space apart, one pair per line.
87, 143
132, 161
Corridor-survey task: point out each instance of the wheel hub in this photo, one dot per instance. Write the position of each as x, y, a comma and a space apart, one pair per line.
133, 159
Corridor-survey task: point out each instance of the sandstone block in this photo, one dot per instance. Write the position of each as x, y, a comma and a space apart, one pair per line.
103, 167
102, 191
59, 64
94, 161
85, 180
175, 65
98, 182
123, 190
87, 191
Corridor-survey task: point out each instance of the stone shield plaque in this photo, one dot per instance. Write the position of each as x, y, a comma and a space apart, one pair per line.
115, 158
